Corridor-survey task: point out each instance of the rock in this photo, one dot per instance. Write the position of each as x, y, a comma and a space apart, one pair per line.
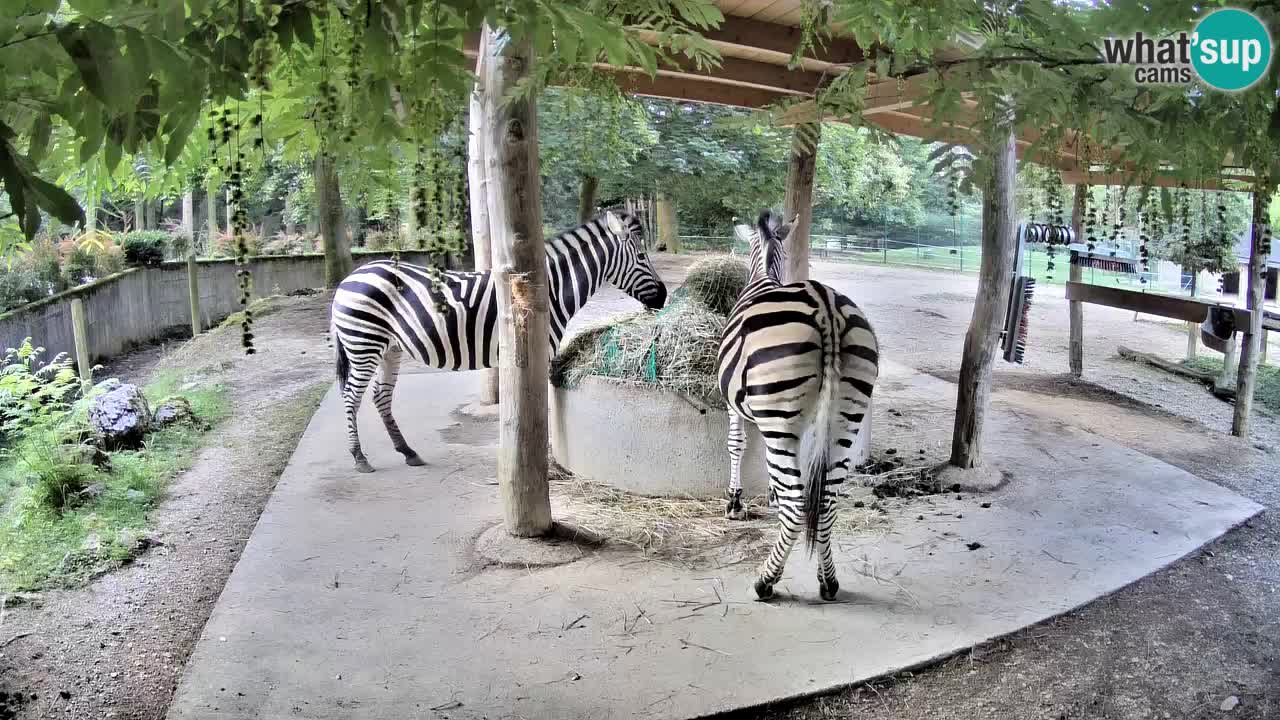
135, 495
120, 418
1229, 704
173, 411
94, 491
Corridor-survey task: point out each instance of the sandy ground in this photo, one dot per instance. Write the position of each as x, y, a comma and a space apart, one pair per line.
1176, 645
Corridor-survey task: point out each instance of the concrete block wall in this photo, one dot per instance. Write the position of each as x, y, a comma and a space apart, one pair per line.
144, 304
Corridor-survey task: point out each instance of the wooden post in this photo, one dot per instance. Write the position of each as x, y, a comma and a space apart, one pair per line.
139, 213
1247, 378
80, 331
193, 293
1262, 351
520, 264
999, 203
799, 199
477, 185
668, 224
1075, 350
333, 228
1193, 329
1228, 363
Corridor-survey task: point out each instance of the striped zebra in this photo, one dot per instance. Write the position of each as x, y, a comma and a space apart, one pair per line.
799, 361
386, 307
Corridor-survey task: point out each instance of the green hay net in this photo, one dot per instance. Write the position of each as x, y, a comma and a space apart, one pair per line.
674, 349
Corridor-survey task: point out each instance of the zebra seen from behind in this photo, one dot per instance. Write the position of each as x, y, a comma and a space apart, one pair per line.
387, 307
800, 361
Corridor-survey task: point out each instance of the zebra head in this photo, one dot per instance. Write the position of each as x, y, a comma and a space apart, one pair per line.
768, 253
632, 271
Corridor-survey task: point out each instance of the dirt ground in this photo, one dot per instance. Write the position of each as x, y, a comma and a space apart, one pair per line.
116, 648
1198, 637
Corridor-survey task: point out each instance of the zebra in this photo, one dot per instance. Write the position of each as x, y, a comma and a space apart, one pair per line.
800, 361
386, 307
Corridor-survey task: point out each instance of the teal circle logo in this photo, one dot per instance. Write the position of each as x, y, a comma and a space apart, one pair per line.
1230, 49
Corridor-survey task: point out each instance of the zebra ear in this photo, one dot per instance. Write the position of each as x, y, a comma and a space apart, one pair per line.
614, 224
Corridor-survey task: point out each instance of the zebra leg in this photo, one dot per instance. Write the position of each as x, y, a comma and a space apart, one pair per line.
352, 393
790, 512
383, 389
737, 440
838, 468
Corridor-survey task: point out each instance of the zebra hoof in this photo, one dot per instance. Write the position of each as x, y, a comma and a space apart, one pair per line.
412, 460
363, 466
764, 590
734, 510
829, 589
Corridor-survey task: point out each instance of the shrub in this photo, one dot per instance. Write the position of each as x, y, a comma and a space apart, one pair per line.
31, 392
287, 244
19, 286
224, 245
383, 240
145, 247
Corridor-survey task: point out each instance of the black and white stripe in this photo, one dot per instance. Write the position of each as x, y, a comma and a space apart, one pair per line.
800, 361
387, 307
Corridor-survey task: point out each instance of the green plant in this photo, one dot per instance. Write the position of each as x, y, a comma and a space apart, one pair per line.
32, 393
19, 286
145, 247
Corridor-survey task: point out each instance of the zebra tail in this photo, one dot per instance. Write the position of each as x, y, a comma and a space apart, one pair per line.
342, 363
815, 447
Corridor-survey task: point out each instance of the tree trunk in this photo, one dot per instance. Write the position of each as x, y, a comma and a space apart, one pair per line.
477, 186
152, 208
587, 197
1247, 378
212, 216
189, 219
290, 225
231, 212
139, 213
999, 204
668, 224
799, 202
1076, 273
333, 229
519, 257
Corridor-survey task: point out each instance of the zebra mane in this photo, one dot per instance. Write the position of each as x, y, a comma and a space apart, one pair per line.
767, 241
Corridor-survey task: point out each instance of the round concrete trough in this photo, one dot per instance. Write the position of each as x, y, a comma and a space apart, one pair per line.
648, 441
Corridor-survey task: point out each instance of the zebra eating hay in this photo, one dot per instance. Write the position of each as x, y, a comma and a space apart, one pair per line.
386, 307
799, 361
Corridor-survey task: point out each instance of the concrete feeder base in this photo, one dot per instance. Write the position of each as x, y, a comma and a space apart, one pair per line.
649, 441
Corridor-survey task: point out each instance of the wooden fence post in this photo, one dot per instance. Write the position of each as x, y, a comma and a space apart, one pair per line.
477, 185
1075, 350
520, 263
1247, 377
80, 331
193, 292
799, 199
999, 203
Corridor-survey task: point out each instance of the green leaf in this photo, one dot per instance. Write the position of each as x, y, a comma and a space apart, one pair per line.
56, 201
179, 135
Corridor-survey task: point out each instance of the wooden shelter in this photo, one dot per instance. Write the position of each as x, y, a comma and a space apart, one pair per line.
756, 41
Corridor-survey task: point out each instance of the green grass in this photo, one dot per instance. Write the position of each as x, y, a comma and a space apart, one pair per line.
968, 258
1267, 391
43, 547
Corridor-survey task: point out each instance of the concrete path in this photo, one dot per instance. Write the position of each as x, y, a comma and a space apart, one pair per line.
361, 595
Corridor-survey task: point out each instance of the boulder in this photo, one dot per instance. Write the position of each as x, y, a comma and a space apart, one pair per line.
173, 411
120, 417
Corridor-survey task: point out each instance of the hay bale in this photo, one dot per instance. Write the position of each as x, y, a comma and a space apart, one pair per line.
716, 282
675, 349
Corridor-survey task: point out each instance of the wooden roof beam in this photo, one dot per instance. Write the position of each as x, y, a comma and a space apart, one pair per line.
781, 41
694, 89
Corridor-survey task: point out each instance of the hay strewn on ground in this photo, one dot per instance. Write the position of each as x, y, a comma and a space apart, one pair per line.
674, 349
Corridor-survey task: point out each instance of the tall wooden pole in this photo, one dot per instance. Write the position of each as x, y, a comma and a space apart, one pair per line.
520, 265
999, 203
1076, 310
668, 223
799, 199
80, 332
1246, 379
587, 197
477, 184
